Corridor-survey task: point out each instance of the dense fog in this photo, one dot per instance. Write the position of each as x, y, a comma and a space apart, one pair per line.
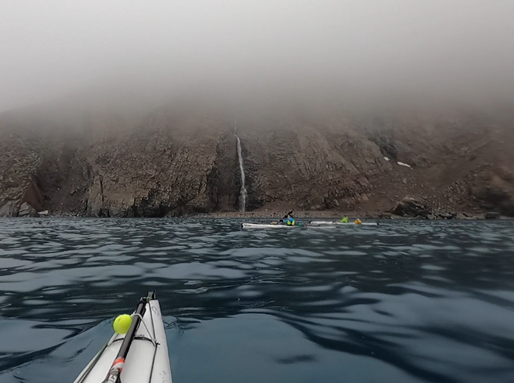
353, 54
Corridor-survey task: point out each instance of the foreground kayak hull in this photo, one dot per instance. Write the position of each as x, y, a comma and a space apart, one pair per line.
147, 360
332, 223
266, 226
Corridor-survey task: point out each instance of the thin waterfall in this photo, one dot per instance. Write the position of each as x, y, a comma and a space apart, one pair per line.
243, 194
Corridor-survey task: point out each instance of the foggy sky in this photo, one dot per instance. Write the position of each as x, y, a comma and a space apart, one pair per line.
361, 52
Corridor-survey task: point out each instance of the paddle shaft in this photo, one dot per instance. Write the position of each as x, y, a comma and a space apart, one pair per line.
114, 373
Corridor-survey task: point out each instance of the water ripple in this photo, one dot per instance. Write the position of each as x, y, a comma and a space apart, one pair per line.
400, 302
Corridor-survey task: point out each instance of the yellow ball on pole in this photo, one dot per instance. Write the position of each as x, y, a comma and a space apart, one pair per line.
122, 323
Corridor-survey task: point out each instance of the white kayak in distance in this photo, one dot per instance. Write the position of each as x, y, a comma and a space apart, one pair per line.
139, 356
246, 225
336, 223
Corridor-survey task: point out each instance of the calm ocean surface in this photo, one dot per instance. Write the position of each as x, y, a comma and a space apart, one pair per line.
406, 301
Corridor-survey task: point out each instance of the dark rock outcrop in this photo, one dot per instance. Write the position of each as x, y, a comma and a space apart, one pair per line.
27, 210
410, 207
492, 215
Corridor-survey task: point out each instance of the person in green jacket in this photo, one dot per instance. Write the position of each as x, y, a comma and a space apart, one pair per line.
344, 220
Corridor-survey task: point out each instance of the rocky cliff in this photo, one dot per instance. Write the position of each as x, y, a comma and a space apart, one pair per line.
174, 161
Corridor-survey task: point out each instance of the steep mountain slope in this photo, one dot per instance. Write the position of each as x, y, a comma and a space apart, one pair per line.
179, 160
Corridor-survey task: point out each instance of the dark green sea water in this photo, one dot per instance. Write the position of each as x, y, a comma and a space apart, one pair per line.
402, 302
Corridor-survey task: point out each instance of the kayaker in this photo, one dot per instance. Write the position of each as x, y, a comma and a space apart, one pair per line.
358, 221
289, 219
344, 220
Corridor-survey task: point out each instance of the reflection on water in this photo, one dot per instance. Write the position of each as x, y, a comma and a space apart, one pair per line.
400, 302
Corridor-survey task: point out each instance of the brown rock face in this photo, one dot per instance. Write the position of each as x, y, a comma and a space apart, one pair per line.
310, 165
163, 168
177, 161
21, 154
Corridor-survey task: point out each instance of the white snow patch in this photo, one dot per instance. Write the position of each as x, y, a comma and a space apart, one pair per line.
404, 164
385, 158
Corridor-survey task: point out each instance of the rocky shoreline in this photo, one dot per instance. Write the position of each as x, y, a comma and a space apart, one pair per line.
336, 215
303, 215
407, 209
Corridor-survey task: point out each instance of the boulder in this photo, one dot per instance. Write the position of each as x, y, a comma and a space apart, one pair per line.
410, 207
26, 210
8, 209
492, 215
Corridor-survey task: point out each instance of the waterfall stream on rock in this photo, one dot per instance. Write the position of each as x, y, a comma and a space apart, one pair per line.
243, 194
